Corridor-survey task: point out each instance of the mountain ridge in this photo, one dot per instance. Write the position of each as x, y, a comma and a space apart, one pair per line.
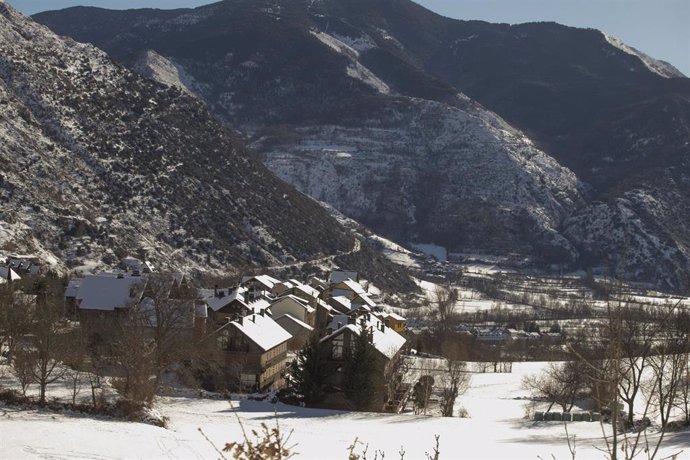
293, 74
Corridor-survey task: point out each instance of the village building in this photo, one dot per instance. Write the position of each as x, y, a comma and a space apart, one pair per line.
393, 320
341, 303
338, 276
259, 286
104, 294
294, 306
493, 335
8, 275
98, 300
133, 264
304, 291
341, 335
24, 265
225, 304
299, 330
257, 346
348, 288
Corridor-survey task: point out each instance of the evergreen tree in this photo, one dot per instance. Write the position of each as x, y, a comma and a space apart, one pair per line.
308, 372
360, 382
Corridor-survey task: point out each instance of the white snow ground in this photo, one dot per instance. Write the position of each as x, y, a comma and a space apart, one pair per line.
496, 429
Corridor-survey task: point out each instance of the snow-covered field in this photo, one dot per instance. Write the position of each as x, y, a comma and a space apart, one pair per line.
496, 429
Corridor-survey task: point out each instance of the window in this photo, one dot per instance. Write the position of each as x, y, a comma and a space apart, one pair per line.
337, 350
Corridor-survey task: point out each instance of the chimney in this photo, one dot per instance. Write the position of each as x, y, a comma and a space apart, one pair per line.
215, 290
240, 320
340, 324
253, 318
262, 312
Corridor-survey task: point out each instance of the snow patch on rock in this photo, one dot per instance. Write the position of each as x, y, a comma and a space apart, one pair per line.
659, 67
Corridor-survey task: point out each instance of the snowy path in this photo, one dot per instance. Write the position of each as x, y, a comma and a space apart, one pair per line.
322, 260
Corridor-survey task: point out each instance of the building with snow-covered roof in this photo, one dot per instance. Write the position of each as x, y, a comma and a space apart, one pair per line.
225, 304
363, 299
259, 286
256, 346
393, 320
8, 275
299, 331
294, 306
338, 276
24, 264
108, 292
340, 303
305, 291
135, 265
498, 334
282, 288
317, 283
347, 288
339, 343
386, 341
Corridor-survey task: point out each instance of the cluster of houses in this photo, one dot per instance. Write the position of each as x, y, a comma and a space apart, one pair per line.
256, 323
14, 267
496, 334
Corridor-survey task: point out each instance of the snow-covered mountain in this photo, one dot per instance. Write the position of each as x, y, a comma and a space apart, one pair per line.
97, 162
526, 139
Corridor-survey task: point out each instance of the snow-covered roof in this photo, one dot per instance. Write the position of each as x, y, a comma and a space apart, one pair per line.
354, 286
338, 276
132, 263
365, 299
343, 301
73, 287
325, 306
262, 330
298, 300
107, 291
317, 282
392, 315
308, 290
282, 319
286, 284
24, 264
337, 322
386, 341
258, 305
7, 272
215, 302
265, 280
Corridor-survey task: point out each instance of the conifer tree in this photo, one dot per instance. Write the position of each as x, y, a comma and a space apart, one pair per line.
360, 382
308, 372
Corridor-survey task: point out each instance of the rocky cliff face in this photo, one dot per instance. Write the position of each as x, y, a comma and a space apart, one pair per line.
97, 162
537, 139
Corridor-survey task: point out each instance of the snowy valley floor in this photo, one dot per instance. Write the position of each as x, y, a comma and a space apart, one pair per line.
496, 429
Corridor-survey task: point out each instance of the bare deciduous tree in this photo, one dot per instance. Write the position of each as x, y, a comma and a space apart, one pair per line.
455, 383
16, 310
560, 384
